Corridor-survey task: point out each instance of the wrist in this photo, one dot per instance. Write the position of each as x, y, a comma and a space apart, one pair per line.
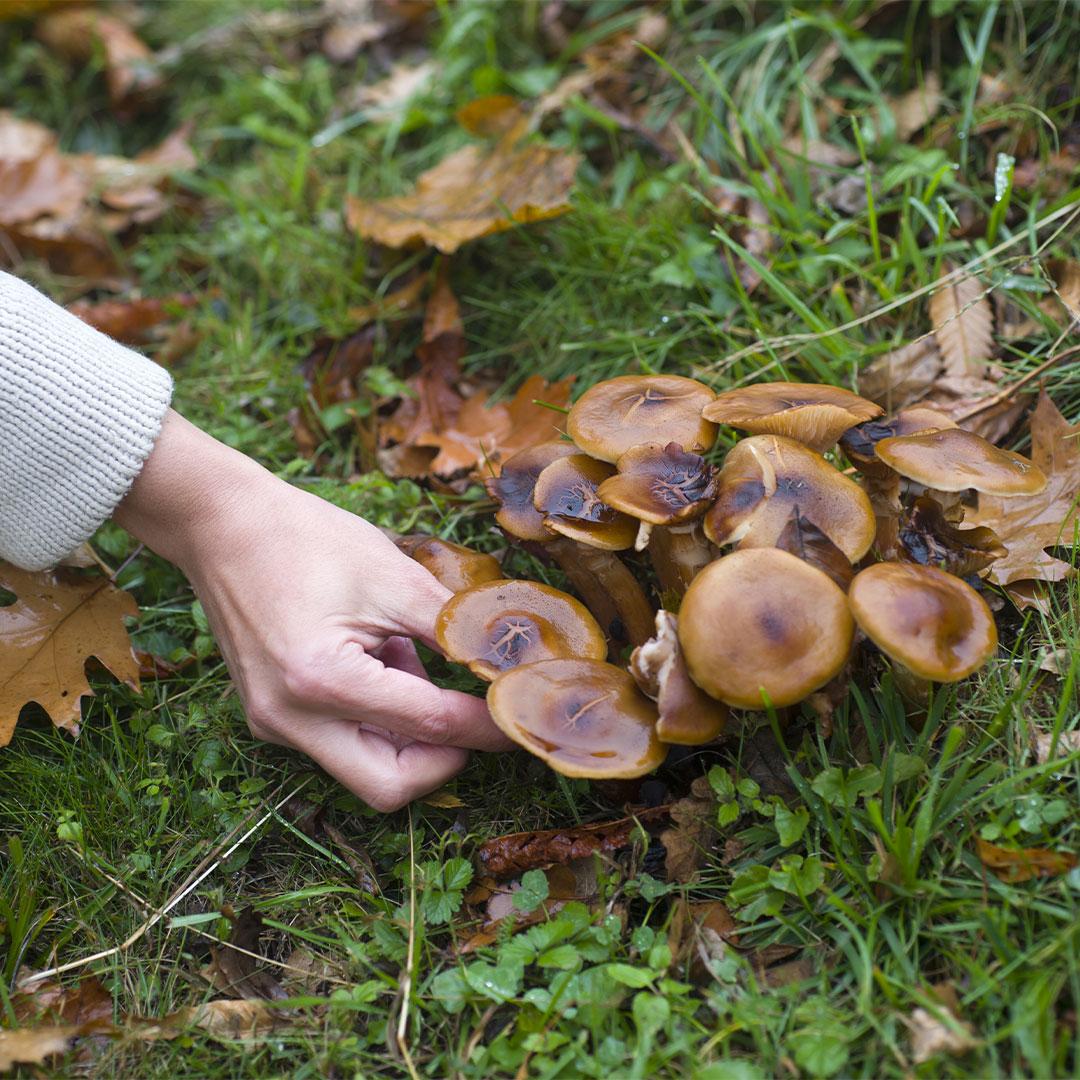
190, 487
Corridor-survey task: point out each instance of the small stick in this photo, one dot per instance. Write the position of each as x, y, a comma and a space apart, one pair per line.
410, 959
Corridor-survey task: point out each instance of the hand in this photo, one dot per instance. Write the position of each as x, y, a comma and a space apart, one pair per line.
313, 609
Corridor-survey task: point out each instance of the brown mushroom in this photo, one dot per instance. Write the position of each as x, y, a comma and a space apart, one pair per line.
501, 624
452, 565
687, 715
583, 717
678, 554
761, 627
600, 578
566, 493
806, 541
813, 414
618, 414
956, 460
928, 539
766, 476
934, 626
858, 443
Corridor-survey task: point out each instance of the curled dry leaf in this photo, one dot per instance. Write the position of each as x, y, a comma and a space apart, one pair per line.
963, 324
56, 623
916, 108
133, 77
692, 832
902, 376
1022, 864
1048, 748
939, 1032
471, 193
698, 936
1028, 525
35, 1045
235, 971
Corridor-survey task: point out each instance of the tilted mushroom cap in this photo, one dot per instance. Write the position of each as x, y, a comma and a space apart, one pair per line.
501, 624
456, 567
955, 460
688, 716
566, 495
931, 622
661, 485
816, 415
859, 441
615, 415
583, 717
761, 623
766, 477
513, 489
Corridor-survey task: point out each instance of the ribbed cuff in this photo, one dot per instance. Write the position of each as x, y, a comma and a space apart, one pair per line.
79, 415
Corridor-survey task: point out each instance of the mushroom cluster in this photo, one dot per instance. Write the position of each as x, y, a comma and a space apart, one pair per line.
763, 569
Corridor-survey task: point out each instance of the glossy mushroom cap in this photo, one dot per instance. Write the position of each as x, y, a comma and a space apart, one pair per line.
566, 494
513, 489
501, 624
812, 414
761, 625
618, 414
766, 477
456, 567
583, 717
955, 460
660, 485
688, 716
859, 442
934, 624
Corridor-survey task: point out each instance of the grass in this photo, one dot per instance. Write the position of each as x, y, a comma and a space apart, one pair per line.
638, 276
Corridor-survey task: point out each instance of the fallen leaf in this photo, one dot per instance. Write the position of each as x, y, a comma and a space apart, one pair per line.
928, 538
1047, 748
963, 323
692, 832
132, 321
32, 1046
224, 1018
235, 971
403, 300
55, 625
505, 856
958, 395
1065, 274
85, 1002
472, 193
357, 859
389, 96
939, 1033
493, 115
902, 376
916, 108
1022, 864
1029, 524
698, 935
131, 73
351, 25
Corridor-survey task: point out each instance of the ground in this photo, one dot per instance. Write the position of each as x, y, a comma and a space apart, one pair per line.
890, 898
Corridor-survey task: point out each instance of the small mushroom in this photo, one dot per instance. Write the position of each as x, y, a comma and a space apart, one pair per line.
600, 578
761, 627
858, 443
678, 554
501, 624
452, 565
567, 494
583, 717
956, 460
618, 414
815, 415
935, 627
766, 476
688, 716
928, 539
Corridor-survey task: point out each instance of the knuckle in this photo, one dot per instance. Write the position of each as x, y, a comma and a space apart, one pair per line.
389, 797
304, 678
433, 727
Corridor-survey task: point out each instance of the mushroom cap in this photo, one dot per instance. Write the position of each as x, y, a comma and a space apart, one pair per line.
513, 489
859, 441
501, 624
688, 716
761, 623
955, 460
934, 624
813, 414
806, 541
583, 717
764, 479
615, 415
452, 565
566, 495
660, 485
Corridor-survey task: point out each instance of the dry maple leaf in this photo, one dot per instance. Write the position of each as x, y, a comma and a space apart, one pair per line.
1029, 524
963, 324
472, 193
53, 627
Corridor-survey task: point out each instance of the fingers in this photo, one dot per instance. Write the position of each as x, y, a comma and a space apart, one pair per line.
400, 653
411, 607
386, 777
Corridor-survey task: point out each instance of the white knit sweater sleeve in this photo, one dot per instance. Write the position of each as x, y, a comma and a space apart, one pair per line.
79, 414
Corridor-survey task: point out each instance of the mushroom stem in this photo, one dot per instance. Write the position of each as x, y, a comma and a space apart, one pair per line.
608, 589
914, 689
677, 554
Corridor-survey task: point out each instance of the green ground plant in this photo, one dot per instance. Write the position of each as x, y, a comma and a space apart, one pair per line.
866, 867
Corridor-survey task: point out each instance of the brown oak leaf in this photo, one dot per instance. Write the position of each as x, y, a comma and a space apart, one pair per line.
963, 324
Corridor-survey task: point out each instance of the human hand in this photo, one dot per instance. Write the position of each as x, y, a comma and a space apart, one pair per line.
313, 609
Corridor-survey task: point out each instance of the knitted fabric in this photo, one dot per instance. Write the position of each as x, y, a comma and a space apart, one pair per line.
79, 414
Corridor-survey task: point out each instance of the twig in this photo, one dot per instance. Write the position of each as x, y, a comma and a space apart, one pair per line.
1013, 388
410, 959
215, 861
